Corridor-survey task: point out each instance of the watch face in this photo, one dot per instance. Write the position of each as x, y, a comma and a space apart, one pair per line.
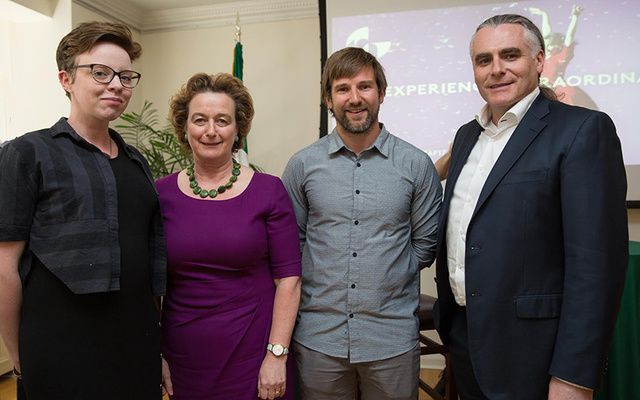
277, 350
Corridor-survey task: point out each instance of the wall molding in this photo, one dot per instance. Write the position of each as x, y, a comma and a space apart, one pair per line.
44, 7
224, 14
119, 10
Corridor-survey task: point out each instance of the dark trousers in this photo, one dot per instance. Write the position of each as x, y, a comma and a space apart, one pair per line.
20, 395
460, 360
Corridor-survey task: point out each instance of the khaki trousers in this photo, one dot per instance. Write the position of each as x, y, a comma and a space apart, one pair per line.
324, 377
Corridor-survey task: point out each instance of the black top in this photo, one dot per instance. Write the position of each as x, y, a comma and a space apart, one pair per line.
101, 345
58, 192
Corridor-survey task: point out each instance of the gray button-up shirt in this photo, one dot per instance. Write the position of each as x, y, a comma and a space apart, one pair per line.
367, 226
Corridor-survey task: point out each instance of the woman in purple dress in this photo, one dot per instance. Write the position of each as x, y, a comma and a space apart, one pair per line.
233, 256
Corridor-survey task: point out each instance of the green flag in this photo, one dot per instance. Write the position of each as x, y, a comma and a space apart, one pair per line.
238, 65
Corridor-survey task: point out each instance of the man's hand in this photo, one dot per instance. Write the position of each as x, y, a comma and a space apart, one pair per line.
576, 10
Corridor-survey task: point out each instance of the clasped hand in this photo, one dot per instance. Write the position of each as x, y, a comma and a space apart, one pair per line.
272, 378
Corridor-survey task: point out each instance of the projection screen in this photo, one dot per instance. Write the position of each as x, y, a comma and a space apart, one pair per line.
424, 48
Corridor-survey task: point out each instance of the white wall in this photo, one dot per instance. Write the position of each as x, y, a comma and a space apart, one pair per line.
281, 70
32, 96
80, 14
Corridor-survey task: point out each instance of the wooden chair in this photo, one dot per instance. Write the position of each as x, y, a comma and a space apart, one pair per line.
429, 346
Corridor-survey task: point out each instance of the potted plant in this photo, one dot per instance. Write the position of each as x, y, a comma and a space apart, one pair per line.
159, 146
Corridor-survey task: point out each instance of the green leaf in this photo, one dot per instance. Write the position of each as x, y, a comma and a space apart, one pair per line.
159, 146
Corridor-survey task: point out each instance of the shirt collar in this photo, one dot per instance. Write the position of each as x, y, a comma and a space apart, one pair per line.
381, 143
62, 127
512, 117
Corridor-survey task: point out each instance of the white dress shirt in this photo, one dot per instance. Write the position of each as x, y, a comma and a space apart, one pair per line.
472, 178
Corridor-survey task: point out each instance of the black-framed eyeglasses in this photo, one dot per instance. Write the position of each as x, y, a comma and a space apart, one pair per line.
104, 74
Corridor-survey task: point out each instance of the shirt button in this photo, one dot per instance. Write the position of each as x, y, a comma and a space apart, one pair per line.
356, 222
357, 191
353, 286
350, 315
358, 164
355, 254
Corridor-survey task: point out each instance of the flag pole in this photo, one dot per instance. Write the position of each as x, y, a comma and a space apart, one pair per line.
238, 30
238, 63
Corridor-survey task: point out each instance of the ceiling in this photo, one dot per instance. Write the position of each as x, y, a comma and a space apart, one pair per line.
155, 5
14, 12
159, 15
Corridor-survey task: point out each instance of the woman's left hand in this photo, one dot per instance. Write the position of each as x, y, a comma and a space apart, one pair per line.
272, 378
167, 386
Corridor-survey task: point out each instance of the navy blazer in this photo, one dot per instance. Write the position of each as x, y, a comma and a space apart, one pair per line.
546, 252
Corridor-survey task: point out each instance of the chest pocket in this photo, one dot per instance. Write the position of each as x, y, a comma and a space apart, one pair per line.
392, 202
538, 175
538, 306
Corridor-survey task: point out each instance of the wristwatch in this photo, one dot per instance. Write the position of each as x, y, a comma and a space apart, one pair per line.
277, 350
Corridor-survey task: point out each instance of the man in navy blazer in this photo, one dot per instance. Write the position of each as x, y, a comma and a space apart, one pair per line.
533, 231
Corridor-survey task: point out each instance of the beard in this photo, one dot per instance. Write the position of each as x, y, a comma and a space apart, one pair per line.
356, 127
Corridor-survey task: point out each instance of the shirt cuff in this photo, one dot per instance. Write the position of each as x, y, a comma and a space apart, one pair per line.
573, 384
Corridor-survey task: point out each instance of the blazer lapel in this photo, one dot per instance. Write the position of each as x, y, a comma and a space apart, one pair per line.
527, 130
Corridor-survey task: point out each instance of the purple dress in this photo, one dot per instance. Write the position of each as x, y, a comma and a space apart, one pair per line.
222, 258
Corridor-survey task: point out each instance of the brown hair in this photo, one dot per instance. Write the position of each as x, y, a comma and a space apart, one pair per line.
346, 63
217, 83
86, 35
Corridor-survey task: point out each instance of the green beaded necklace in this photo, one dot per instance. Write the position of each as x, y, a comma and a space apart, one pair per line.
197, 190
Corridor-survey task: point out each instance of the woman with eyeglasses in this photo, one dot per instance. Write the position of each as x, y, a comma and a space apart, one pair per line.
82, 256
